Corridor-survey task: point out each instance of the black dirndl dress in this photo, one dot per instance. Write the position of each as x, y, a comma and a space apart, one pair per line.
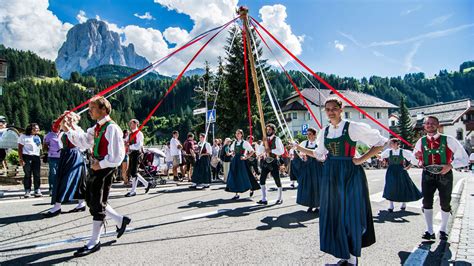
398, 185
345, 221
202, 168
72, 172
310, 172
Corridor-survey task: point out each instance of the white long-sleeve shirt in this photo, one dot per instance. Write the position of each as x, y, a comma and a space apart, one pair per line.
174, 143
279, 148
460, 157
139, 139
246, 145
357, 132
408, 155
114, 136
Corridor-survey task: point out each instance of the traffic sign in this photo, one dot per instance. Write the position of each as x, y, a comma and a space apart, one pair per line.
304, 129
199, 111
211, 116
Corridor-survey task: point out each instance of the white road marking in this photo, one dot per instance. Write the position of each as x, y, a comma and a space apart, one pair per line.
21, 200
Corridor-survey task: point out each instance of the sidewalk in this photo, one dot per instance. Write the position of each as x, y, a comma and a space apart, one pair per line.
462, 233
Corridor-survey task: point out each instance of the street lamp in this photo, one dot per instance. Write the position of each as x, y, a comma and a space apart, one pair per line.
207, 89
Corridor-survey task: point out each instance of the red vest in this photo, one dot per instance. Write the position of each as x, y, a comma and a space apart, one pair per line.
433, 145
101, 149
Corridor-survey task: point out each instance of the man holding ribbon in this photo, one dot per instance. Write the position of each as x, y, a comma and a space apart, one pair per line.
106, 140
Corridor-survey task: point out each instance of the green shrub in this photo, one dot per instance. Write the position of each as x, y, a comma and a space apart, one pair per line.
13, 158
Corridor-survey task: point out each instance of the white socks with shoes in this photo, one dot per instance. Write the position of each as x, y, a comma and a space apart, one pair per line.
96, 231
264, 193
444, 221
429, 220
110, 212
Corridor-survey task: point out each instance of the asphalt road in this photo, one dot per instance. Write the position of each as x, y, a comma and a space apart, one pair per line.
175, 225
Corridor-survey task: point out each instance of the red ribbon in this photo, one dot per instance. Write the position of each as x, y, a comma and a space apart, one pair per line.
244, 37
329, 86
291, 80
179, 78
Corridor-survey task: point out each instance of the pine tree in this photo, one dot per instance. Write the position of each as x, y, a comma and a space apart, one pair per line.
405, 126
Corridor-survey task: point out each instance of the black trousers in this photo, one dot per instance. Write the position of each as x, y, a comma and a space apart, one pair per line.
133, 163
98, 186
254, 165
216, 170
32, 165
443, 183
274, 169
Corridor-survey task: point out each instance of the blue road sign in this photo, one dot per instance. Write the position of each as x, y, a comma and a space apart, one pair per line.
211, 116
304, 129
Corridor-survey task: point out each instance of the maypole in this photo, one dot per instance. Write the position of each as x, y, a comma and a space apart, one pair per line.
243, 12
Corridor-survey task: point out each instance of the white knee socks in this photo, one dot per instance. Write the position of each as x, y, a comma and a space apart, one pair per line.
280, 190
391, 205
96, 231
444, 221
110, 212
56, 207
429, 220
264, 193
135, 182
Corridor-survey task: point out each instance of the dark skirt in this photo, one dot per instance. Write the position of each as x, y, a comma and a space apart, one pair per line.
295, 166
345, 221
202, 170
398, 185
309, 179
240, 177
71, 174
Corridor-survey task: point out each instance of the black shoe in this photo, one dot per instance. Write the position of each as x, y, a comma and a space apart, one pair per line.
309, 210
390, 210
148, 187
251, 193
121, 230
403, 208
262, 202
51, 214
316, 210
84, 251
443, 236
236, 197
78, 209
428, 236
193, 186
278, 202
342, 262
205, 186
292, 186
130, 194
175, 179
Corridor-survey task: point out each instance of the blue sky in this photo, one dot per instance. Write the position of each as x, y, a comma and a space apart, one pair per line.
347, 38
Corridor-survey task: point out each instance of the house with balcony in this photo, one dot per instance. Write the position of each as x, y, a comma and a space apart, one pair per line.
298, 116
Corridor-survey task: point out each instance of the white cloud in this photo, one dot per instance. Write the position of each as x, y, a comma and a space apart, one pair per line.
148, 42
29, 25
409, 58
339, 46
81, 16
146, 16
274, 20
429, 35
409, 11
439, 20
176, 35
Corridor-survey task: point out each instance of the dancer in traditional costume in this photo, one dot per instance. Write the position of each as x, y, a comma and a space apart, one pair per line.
241, 178
135, 146
438, 154
106, 140
270, 163
309, 172
71, 175
398, 185
345, 221
201, 176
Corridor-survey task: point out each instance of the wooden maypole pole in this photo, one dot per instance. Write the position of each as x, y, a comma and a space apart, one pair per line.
243, 12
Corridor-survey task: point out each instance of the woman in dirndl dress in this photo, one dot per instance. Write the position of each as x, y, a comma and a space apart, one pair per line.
201, 176
345, 220
309, 175
398, 185
240, 178
71, 175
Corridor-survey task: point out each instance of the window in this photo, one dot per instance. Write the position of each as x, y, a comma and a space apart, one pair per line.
308, 116
361, 116
347, 115
392, 123
378, 115
459, 134
295, 115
